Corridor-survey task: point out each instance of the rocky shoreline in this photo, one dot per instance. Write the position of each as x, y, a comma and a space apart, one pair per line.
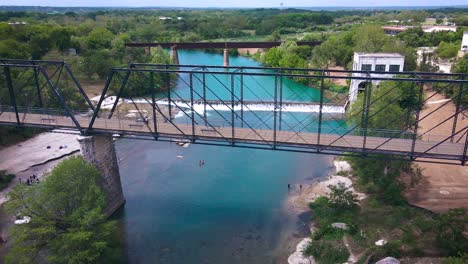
299, 202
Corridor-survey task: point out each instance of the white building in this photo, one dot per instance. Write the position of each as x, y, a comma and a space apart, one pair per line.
378, 64
464, 45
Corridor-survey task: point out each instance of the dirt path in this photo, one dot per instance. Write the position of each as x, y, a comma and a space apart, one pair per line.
442, 186
338, 81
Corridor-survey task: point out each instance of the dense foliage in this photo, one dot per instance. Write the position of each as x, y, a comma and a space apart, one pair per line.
67, 222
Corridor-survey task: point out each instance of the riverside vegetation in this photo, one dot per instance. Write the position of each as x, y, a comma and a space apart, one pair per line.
68, 224
99, 35
384, 214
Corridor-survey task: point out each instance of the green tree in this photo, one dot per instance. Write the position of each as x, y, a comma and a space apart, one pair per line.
370, 38
99, 38
67, 222
341, 197
61, 38
12, 49
451, 229
447, 50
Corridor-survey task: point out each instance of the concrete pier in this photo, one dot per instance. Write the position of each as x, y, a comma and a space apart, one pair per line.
174, 55
100, 151
226, 57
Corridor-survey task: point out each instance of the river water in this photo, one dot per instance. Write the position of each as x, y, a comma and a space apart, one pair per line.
231, 210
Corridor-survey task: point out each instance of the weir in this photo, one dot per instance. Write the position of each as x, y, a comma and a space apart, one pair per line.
293, 107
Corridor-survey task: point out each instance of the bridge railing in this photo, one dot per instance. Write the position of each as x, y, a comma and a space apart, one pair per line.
266, 106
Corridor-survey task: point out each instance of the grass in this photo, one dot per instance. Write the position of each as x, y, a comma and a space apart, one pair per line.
410, 231
327, 251
5, 179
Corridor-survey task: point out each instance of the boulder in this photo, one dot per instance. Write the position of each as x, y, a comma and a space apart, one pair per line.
388, 260
341, 226
297, 257
380, 242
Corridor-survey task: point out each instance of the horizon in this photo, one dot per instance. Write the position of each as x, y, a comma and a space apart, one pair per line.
238, 4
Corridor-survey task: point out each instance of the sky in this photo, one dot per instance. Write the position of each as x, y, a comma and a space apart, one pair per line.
232, 3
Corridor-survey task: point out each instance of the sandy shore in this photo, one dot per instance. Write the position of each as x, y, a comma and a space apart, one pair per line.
442, 186
34, 157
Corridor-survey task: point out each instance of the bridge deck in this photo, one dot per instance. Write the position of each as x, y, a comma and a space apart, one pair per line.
398, 146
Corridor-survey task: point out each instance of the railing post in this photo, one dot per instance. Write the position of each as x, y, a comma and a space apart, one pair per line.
204, 98
119, 94
232, 108
98, 106
455, 118
6, 69
168, 86
281, 101
242, 97
38, 87
191, 106
153, 101
274, 111
410, 110
322, 89
365, 116
418, 111
465, 149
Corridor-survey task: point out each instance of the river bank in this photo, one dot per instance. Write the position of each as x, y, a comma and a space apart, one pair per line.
299, 203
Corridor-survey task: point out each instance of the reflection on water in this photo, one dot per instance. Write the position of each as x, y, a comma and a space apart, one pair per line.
230, 210
232, 207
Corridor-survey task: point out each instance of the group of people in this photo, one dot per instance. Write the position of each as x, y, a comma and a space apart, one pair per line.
201, 163
289, 186
31, 180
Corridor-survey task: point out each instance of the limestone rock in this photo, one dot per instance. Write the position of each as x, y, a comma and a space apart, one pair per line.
342, 166
297, 257
388, 260
341, 226
381, 242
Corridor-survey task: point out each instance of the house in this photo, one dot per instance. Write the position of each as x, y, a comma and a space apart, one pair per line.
464, 45
377, 64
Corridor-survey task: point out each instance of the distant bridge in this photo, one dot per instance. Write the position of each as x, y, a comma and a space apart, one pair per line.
175, 46
27, 88
220, 44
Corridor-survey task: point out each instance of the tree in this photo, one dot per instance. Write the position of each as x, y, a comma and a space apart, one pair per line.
451, 228
12, 49
99, 38
67, 221
370, 38
61, 37
447, 50
341, 197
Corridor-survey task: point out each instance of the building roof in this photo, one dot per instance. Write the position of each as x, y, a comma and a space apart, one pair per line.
380, 55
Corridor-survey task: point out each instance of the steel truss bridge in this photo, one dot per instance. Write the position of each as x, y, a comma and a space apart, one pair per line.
250, 107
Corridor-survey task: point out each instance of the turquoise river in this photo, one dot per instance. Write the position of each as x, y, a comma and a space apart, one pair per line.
233, 209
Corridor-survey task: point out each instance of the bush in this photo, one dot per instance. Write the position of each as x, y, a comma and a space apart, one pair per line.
328, 233
327, 252
450, 231
325, 213
5, 179
462, 258
341, 197
391, 249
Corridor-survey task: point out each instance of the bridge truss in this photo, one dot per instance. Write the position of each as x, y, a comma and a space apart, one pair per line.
250, 107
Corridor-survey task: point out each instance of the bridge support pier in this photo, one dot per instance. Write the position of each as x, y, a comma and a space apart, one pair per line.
100, 151
174, 55
226, 57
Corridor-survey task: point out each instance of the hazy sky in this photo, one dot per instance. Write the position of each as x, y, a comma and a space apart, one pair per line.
232, 3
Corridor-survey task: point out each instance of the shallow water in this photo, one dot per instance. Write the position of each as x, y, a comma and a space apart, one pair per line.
231, 210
